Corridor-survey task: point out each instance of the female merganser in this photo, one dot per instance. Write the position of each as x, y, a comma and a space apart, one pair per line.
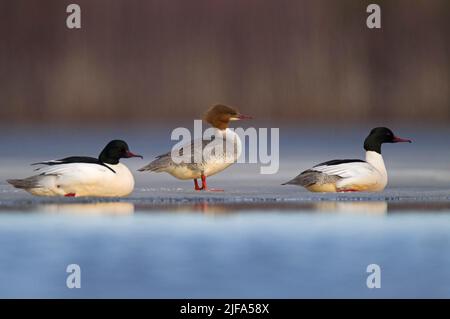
83, 176
352, 175
218, 116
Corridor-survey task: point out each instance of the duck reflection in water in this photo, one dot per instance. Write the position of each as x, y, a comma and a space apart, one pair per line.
362, 208
111, 208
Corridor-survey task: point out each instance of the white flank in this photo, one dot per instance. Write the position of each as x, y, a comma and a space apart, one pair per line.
369, 176
84, 179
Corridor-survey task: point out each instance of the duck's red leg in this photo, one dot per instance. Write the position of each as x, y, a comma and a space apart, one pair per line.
348, 190
196, 187
205, 187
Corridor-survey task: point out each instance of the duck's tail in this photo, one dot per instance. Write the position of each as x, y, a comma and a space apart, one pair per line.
26, 183
311, 177
305, 179
158, 165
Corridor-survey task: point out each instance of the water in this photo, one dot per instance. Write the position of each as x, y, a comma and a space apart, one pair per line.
257, 239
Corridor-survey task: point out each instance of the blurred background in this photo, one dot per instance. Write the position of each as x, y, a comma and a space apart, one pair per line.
290, 60
139, 68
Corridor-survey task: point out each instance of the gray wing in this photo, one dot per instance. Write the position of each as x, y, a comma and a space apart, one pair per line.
165, 161
311, 177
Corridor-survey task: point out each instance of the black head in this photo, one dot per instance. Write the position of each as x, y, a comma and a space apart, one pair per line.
380, 135
114, 151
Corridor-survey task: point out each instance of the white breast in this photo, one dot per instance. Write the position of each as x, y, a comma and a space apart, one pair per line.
376, 160
231, 149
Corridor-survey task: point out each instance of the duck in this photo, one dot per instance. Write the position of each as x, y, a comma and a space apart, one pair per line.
80, 176
352, 175
219, 117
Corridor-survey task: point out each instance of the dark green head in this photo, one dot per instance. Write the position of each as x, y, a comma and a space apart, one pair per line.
114, 151
380, 135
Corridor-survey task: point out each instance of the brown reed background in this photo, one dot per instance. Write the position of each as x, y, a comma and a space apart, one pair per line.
301, 60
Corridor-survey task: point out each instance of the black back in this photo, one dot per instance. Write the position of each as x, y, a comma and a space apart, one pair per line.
74, 160
337, 162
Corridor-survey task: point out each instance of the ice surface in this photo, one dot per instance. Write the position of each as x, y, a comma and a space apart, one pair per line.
256, 239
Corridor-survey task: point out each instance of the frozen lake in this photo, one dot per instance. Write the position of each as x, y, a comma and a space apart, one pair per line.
256, 239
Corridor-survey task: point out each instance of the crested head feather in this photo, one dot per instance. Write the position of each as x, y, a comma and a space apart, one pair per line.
219, 116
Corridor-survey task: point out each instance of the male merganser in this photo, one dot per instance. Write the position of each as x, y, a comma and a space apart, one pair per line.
218, 116
79, 176
352, 175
